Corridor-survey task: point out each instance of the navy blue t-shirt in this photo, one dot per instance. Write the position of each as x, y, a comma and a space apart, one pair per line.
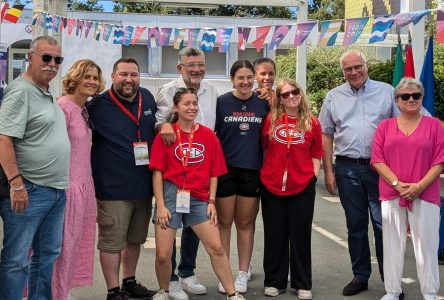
238, 127
115, 174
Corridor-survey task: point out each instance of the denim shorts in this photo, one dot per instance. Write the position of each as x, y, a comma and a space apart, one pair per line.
198, 209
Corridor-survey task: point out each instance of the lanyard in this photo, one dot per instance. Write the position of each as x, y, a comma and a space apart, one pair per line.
127, 112
184, 159
289, 137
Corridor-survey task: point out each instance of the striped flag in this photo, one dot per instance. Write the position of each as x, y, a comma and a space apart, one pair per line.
208, 39
48, 22
380, 29
329, 33
14, 13
3, 9
118, 34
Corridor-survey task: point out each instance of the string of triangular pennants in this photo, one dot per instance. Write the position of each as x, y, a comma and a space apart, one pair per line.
161, 36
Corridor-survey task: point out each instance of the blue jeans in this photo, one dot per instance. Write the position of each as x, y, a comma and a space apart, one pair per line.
188, 253
441, 227
38, 227
359, 194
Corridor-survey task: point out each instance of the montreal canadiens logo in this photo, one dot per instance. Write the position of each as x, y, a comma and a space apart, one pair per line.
280, 134
244, 126
197, 152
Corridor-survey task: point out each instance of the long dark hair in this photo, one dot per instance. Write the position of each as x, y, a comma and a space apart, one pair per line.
176, 99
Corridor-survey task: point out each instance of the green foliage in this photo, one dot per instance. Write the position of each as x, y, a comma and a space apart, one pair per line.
327, 10
78, 5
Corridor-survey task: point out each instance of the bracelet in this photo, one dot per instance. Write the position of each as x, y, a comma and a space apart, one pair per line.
13, 190
14, 177
211, 201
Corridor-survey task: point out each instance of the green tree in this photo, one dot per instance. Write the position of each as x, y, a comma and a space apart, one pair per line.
327, 10
78, 5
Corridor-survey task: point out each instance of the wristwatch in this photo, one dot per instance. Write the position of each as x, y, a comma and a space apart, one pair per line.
395, 183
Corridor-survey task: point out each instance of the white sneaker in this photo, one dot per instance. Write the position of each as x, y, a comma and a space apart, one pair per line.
71, 297
241, 282
390, 297
237, 296
160, 295
271, 291
192, 285
305, 294
250, 271
175, 291
221, 288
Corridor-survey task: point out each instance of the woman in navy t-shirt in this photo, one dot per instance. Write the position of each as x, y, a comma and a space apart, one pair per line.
239, 118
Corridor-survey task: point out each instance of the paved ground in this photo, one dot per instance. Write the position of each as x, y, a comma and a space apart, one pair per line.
331, 263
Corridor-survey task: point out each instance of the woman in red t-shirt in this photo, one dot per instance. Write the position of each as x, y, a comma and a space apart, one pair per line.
185, 182
292, 143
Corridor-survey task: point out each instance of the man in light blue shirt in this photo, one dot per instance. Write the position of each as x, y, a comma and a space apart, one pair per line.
349, 117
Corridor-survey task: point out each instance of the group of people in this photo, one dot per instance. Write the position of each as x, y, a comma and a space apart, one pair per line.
209, 160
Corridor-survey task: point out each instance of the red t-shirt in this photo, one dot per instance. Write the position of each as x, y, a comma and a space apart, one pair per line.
206, 160
304, 146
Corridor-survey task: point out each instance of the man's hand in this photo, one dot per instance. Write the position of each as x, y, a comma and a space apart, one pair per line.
167, 133
19, 199
330, 182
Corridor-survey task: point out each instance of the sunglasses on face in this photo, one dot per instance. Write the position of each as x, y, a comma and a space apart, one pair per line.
47, 58
286, 95
406, 96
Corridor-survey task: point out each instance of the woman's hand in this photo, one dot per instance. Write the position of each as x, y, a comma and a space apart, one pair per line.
212, 214
163, 217
409, 191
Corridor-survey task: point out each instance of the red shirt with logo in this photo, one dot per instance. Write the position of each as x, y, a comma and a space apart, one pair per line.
304, 146
206, 160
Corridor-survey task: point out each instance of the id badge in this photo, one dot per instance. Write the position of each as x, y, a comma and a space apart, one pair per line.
141, 154
183, 201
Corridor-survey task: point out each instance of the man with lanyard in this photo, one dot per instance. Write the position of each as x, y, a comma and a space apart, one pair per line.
123, 120
191, 65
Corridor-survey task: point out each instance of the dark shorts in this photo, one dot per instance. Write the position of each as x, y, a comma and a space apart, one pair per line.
238, 181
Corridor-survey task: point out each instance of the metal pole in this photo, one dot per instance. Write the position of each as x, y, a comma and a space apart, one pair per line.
301, 51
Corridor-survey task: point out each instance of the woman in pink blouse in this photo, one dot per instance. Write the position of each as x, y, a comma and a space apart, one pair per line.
408, 153
74, 267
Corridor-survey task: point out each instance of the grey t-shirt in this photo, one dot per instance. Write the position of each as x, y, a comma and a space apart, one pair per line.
37, 125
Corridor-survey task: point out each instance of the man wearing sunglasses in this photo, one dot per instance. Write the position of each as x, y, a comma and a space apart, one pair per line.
191, 66
34, 153
349, 117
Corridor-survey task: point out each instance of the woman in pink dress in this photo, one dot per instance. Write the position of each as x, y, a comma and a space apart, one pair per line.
74, 267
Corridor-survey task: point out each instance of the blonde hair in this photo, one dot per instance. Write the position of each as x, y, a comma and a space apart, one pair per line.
304, 113
77, 72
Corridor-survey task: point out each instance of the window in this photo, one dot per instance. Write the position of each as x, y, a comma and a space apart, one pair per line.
140, 53
250, 54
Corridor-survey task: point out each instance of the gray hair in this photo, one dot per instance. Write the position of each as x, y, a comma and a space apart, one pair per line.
189, 51
352, 51
407, 82
43, 38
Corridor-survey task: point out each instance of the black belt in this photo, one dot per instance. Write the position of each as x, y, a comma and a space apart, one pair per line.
358, 161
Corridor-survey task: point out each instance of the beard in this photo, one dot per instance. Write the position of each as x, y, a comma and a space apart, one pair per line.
125, 93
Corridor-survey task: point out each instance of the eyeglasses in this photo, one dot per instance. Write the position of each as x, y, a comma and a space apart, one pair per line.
195, 65
286, 95
348, 70
406, 96
47, 58
88, 121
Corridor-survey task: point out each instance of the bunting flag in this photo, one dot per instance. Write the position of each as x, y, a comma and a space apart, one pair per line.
261, 35
118, 35
398, 71
79, 29
440, 27
48, 22
71, 23
128, 33
35, 18
153, 40
180, 37
88, 25
405, 19
243, 33
98, 31
137, 34
65, 22
56, 23
224, 37
3, 9
428, 80
193, 34
409, 69
380, 28
302, 32
329, 33
107, 29
280, 31
165, 35
14, 13
208, 39
353, 30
